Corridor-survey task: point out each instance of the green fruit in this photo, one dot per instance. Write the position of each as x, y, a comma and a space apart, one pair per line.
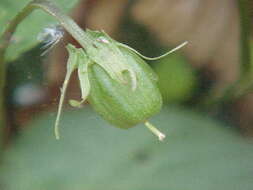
118, 84
118, 103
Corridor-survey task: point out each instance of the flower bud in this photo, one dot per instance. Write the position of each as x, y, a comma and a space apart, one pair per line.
117, 83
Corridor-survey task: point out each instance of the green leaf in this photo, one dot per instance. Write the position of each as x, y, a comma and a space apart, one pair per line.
26, 35
198, 154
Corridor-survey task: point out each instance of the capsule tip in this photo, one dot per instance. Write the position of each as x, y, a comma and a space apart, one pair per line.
161, 136
56, 132
155, 131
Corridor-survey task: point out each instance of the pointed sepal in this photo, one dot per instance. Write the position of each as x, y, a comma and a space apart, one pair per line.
106, 53
72, 64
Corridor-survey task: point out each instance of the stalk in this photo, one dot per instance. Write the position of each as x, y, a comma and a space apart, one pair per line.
2, 107
65, 21
245, 24
244, 85
155, 131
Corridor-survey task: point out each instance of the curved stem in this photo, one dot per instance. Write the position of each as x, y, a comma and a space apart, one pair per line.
154, 58
64, 20
63, 90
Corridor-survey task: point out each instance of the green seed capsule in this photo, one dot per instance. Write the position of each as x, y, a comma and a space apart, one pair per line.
118, 103
118, 84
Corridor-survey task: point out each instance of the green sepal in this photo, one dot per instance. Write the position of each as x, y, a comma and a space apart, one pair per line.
83, 65
72, 64
75, 103
106, 53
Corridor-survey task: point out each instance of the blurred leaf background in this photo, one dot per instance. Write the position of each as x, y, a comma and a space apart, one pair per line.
199, 153
205, 148
26, 35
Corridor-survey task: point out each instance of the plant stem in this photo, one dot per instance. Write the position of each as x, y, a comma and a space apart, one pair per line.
244, 84
63, 90
2, 107
245, 23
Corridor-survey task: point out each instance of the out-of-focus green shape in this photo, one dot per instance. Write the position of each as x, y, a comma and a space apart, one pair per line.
177, 79
251, 49
26, 35
197, 154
